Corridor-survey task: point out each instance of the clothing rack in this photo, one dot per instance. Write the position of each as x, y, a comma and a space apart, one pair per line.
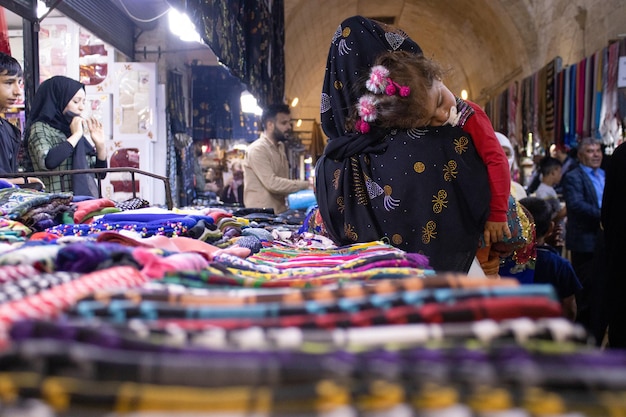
63, 173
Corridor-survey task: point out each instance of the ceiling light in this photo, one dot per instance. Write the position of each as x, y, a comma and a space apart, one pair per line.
42, 9
294, 102
249, 104
182, 26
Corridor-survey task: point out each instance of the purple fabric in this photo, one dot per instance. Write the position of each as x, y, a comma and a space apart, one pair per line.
86, 256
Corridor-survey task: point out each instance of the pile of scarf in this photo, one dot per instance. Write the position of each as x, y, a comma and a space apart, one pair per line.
35, 209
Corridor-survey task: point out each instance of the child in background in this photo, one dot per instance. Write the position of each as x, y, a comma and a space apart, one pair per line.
550, 176
550, 266
551, 173
405, 91
10, 136
10, 93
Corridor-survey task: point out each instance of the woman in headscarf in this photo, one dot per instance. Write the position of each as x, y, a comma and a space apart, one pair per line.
424, 191
55, 140
517, 189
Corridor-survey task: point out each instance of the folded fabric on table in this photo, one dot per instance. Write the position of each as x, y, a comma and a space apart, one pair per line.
84, 208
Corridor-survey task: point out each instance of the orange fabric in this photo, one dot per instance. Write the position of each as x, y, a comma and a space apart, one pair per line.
482, 254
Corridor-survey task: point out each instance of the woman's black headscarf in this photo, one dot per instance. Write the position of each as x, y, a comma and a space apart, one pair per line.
51, 99
422, 190
49, 102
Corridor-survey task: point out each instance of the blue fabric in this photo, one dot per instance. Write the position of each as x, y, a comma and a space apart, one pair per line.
154, 218
6, 184
525, 273
552, 268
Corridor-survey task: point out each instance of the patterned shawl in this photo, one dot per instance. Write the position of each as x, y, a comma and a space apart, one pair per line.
422, 190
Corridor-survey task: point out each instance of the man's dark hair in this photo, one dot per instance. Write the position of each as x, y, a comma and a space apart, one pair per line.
271, 111
547, 164
541, 211
9, 65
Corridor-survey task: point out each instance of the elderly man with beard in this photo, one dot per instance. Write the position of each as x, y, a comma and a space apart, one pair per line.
266, 181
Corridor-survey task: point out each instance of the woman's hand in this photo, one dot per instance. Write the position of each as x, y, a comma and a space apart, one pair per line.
76, 127
96, 132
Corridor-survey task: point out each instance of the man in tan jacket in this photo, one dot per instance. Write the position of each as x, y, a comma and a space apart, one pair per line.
266, 181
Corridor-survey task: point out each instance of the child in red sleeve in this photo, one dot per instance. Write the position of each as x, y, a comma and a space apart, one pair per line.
406, 92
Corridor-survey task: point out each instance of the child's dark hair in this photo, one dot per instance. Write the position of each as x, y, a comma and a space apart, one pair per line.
9, 65
548, 164
406, 69
542, 213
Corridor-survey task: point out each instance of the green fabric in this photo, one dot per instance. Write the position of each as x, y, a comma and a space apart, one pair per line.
42, 139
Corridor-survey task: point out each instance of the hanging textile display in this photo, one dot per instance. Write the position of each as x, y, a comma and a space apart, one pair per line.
570, 126
610, 120
579, 103
621, 108
596, 104
527, 99
250, 44
551, 70
559, 93
588, 95
5, 45
562, 105
513, 114
176, 102
181, 179
216, 96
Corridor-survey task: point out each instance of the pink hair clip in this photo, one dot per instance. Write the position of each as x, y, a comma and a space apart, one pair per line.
378, 79
367, 108
367, 111
393, 87
362, 126
380, 82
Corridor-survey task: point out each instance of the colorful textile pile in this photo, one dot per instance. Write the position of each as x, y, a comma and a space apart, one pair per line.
148, 313
34, 209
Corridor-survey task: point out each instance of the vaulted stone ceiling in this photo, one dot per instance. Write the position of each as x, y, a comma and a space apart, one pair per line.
487, 43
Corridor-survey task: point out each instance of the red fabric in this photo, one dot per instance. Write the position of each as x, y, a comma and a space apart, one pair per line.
174, 244
5, 45
155, 266
489, 148
580, 97
463, 311
89, 206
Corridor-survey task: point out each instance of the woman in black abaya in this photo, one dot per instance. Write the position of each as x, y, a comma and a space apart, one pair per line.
421, 190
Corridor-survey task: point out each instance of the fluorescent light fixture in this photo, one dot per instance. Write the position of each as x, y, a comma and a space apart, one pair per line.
182, 26
294, 102
249, 104
42, 9
299, 123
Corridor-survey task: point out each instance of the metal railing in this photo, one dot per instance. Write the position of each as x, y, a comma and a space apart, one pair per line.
63, 173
